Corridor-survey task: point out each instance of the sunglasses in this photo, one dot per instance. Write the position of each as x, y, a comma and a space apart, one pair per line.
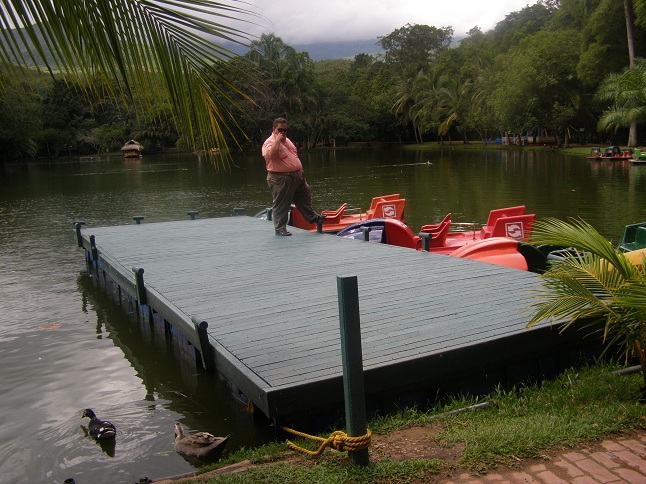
282, 130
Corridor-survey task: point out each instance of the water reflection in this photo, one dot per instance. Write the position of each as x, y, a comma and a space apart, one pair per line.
175, 390
66, 345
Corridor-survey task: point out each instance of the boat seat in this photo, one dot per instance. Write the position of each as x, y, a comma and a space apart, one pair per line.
640, 237
435, 227
495, 214
636, 238
399, 234
375, 200
297, 220
388, 209
438, 237
334, 216
518, 227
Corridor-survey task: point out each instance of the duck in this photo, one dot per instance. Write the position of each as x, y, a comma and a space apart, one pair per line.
99, 429
200, 445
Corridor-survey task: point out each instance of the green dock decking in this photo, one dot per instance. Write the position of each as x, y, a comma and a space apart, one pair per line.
273, 318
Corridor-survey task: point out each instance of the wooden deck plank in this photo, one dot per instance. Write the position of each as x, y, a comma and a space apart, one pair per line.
271, 302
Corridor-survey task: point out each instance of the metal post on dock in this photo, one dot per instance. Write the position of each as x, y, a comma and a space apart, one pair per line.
138, 218
93, 251
426, 240
77, 226
366, 233
192, 214
269, 214
139, 285
237, 211
206, 350
352, 358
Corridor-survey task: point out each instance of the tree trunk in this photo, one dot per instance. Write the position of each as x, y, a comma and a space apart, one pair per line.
632, 136
629, 32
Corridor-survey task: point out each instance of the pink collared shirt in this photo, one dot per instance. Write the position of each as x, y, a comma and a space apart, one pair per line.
287, 158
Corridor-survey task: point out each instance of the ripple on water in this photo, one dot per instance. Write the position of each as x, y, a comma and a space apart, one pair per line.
144, 436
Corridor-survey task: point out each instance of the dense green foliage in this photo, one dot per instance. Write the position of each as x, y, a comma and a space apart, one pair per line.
140, 55
537, 74
593, 284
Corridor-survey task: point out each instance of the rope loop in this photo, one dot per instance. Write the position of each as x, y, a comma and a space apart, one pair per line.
338, 440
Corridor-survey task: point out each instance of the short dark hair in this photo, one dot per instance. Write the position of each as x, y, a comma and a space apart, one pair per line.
278, 121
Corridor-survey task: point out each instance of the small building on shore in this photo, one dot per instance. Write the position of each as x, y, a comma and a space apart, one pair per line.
132, 149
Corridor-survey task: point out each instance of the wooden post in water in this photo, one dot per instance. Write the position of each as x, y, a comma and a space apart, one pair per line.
351, 354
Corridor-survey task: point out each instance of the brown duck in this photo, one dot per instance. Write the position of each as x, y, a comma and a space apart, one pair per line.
200, 445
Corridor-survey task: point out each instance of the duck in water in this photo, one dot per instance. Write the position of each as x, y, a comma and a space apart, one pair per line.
200, 445
99, 429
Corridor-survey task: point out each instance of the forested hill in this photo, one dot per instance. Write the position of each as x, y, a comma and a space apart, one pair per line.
547, 71
330, 50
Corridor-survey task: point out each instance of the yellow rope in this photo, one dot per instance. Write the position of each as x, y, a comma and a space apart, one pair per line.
338, 440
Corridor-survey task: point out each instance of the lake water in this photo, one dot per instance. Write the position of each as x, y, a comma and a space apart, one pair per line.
65, 346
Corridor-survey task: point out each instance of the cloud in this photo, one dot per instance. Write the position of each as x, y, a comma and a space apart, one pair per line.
309, 21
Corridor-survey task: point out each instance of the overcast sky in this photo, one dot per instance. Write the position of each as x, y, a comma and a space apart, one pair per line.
309, 21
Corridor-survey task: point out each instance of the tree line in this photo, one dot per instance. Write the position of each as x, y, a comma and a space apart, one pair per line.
563, 71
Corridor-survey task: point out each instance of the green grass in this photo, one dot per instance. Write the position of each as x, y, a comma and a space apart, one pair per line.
525, 421
579, 405
479, 146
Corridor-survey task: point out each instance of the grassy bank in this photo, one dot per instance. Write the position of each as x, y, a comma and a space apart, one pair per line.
478, 146
525, 421
458, 145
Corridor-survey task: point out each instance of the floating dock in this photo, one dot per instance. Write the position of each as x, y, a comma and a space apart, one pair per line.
262, 311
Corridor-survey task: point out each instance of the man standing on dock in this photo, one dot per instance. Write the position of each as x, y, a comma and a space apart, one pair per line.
286, 179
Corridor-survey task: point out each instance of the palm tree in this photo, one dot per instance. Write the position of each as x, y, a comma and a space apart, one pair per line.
454, 101
415, 99
625, 93
404, 101
632, 137
149, 52
593, 284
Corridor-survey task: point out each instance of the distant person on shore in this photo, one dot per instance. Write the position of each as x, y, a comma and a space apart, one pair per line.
286, 179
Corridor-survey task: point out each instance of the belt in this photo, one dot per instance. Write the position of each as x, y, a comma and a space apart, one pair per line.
285, 173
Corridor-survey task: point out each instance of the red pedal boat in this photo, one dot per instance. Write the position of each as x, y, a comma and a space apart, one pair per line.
499, 241
613, 153
510, 222
384, 206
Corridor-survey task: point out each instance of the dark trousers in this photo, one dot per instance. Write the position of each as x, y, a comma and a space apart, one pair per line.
288, 188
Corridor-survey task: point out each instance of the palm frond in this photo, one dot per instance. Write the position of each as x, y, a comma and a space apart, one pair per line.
147, 51
592, 284
581, 236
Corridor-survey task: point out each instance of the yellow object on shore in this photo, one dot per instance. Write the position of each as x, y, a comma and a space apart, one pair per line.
338, 440
635, 256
